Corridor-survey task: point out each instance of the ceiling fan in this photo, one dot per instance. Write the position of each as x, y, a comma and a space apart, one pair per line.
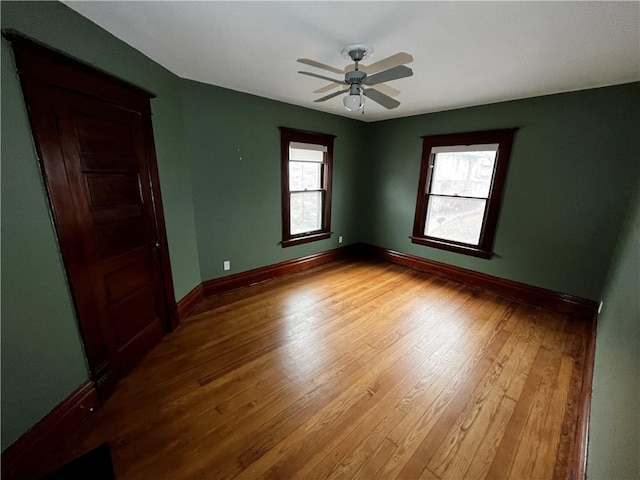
360, 78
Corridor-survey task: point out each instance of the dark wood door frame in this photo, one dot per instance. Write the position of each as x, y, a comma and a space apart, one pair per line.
38, 65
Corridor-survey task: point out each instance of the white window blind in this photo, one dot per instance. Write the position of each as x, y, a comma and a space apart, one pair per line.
306, 152
487, 147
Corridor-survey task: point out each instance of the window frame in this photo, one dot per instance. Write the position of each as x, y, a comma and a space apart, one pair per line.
288, 135
484, 248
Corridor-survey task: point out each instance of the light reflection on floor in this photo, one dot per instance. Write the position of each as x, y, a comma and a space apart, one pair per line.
304, 349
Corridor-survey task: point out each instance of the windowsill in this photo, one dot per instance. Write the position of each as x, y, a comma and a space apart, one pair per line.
312, 237
452, 247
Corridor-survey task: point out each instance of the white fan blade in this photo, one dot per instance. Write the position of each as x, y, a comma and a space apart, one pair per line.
313, 63
326, 88
340, 82
387, 90
400, 58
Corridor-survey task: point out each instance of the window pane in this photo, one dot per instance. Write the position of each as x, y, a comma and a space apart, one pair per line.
306, 212
457, 219
305, 175
467, 174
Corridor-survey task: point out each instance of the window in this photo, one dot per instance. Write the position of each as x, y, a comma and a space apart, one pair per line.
306, 186
460, 189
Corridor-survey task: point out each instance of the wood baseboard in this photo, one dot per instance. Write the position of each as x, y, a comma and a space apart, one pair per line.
559, 302
189, 302
229, 283
22, 458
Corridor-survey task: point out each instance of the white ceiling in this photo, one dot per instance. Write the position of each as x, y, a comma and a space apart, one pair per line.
466, 53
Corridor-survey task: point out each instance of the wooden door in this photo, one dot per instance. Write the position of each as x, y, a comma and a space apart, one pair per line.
98, 162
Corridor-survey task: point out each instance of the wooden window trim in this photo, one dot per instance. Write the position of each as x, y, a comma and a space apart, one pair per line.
288, 135
484, 249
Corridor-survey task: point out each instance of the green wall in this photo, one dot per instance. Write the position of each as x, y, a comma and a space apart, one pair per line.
42, 358
235, 167
574, 160
614, 432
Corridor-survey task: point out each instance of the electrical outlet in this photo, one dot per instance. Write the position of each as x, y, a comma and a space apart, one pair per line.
600, 306
340, 239
226, 265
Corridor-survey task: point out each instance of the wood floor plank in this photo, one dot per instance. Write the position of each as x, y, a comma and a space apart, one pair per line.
438, 429
458, 447
503, 459
529, 340
475, 428
428, 475
535, 456
370, 469
356, 369
343, 460
409, 432
376, 382
268, 374
478, 468
577, 352
278, 426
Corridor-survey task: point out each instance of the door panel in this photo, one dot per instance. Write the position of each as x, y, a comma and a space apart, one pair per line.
121, 236
104, 155
103, 137
113, 190
133, 314
134, 275
99, 182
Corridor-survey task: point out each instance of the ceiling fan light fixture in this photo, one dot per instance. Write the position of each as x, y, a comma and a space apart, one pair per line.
353, 103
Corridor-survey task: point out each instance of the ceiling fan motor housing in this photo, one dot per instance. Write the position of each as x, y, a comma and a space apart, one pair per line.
356, 76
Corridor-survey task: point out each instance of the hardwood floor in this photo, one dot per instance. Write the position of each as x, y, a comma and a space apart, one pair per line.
350, 370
